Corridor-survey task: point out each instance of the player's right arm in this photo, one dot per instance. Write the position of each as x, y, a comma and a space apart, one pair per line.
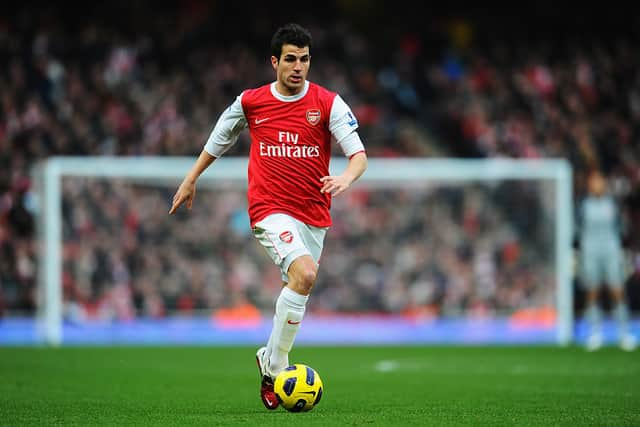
187, 189
230, 123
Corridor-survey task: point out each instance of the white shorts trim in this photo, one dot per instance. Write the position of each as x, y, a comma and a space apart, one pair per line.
286, 238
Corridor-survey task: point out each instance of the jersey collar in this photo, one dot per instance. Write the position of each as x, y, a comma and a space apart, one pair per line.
291, 98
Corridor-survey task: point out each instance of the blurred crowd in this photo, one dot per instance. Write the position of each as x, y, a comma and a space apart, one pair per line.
124, 81
445, 249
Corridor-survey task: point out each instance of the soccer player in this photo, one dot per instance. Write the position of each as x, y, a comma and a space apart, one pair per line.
601, 262
292, 123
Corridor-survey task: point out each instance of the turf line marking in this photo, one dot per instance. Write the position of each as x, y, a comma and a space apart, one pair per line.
386, 366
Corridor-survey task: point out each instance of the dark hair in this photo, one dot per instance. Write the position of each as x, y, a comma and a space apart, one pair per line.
289, 34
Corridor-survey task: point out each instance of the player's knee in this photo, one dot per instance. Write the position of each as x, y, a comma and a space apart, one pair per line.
308, 279
302, 274
305, 279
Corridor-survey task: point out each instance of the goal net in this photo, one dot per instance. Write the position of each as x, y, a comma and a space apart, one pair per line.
417, 239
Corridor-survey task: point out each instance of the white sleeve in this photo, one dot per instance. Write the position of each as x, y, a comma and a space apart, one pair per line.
230, 123
343, 126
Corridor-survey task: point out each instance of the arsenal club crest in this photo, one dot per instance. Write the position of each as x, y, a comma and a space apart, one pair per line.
313, 117
286, 236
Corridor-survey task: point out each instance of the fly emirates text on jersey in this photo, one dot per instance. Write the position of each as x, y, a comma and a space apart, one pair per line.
286, 150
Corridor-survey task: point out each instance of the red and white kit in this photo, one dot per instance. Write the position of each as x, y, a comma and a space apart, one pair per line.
291, 140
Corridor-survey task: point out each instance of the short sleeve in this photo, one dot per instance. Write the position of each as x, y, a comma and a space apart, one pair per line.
227, 129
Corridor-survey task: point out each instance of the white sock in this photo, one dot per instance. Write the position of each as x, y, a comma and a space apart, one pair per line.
621, 314
594, 318
290, 308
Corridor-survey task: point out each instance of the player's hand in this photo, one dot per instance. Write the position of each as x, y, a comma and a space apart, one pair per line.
335, 185
186, 192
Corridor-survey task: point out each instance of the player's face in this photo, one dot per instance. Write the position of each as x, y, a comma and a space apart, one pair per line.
291, 69
597, 185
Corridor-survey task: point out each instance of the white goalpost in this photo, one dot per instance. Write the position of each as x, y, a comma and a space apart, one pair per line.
381, 173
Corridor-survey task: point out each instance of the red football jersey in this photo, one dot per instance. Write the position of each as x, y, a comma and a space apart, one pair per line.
290, 151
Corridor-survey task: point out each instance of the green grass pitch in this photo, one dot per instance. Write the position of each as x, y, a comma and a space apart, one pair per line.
385, 386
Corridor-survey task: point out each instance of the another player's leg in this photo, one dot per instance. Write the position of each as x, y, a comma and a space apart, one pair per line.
626, 340
593, 316
615, 278
591, 269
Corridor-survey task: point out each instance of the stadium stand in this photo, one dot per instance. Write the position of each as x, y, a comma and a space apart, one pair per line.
127, 82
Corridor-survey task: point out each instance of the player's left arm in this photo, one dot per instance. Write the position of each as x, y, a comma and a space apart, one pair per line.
343, 126
338, 184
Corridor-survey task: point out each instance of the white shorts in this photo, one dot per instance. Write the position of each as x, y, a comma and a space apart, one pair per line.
602, 266
285, 239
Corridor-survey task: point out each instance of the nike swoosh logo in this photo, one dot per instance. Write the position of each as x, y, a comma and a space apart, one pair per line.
292, 323
258, 121
309, 392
